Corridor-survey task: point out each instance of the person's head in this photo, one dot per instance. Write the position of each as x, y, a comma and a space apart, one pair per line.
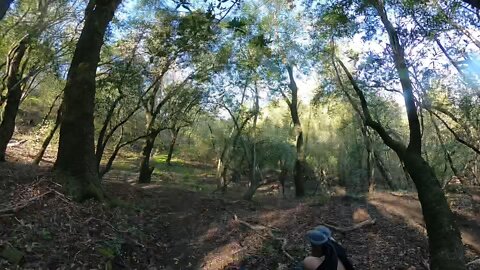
320, 240
325, 230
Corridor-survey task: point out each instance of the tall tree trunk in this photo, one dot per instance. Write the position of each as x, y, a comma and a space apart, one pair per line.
4, 6
445, 243
76, 150
383, 170
171, 147
254, 183
446, 248
14, 94
49, 137
370, 161
299, 171
145, 169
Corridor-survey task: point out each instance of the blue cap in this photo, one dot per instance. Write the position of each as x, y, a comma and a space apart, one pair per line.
325, 230
317, 238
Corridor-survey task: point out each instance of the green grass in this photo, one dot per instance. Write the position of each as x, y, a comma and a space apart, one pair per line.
184, 174
181, 173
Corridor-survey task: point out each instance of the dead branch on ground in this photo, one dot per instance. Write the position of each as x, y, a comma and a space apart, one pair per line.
474, 262
259, 227
20, 206
13, 144
353, 227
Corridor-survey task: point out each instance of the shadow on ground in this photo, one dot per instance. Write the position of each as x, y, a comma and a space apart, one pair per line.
163, 226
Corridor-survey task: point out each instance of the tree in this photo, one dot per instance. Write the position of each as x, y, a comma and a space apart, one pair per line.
179, 41
300, 169
446, 248
16, 78
13, 96
121, 93
76, 152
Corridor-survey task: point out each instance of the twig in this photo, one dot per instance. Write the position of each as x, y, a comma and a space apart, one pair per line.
20, 206
353, 227
253, 227
106, 223
270, 233
62, 197
13, 144
425, 264
284, 244
474, 262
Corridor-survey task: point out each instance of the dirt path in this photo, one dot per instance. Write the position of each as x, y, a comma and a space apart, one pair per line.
408, 209
170, 228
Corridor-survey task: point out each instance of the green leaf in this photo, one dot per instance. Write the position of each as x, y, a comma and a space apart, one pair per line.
106, 252
12, 255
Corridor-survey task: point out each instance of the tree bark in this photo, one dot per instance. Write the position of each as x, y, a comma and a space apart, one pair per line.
14, 94
49, 137
4, 6
171, 147
445, 244
145, 169
254, 182
299, 172
383, 170
76, 150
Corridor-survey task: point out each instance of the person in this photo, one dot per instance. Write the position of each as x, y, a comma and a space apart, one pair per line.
327, 254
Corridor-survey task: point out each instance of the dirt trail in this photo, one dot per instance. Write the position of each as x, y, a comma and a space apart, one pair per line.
407, 208
172, 228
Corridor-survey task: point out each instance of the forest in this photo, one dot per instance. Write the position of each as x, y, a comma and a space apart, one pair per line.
214, 134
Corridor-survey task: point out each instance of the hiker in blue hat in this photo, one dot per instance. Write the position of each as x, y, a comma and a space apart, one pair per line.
327, 254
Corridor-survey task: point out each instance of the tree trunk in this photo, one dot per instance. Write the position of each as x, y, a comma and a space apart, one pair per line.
112, 157
383, 170
14, 94
49, 137
300, 163
102, 139
4, 6
370, 157
171, 147
446, 248
254, 183
145, 169
445, 243
76, 150
448, 157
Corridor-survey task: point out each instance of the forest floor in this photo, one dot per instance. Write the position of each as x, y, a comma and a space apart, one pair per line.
176, 222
